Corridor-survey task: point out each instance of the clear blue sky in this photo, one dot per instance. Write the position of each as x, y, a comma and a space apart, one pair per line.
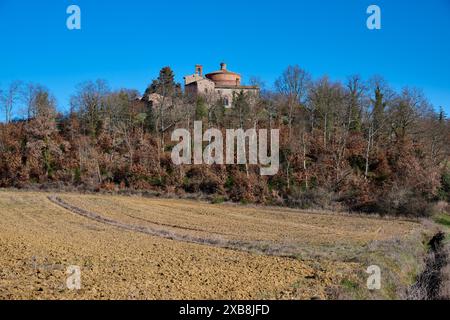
127, 42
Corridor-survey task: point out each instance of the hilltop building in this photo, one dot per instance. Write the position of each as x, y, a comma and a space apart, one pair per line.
219, 85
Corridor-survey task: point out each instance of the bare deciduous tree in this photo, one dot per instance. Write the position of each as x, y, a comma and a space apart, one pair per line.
9, 98
293, 84
89, 101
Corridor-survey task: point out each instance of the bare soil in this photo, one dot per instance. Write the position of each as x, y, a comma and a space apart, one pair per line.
140, 248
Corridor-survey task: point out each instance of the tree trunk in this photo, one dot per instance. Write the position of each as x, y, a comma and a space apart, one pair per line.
304, 162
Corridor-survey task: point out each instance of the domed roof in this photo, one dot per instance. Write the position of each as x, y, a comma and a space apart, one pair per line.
224, 77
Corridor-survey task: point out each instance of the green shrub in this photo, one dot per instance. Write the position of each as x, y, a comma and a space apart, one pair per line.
218, 200
444, 191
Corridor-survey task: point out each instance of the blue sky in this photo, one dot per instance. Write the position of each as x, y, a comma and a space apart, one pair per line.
127, 42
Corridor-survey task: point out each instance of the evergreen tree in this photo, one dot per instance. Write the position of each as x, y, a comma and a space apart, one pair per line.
378, 109
168, 89
201, 110
164, 85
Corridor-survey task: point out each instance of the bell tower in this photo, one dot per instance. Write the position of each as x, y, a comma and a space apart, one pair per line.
199, 70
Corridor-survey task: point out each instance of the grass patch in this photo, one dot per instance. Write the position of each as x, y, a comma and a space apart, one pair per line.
443, 219
349, 284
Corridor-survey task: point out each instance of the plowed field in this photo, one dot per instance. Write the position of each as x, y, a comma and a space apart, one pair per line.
141, 248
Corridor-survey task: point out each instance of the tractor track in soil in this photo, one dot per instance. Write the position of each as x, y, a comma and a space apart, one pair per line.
251, 247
